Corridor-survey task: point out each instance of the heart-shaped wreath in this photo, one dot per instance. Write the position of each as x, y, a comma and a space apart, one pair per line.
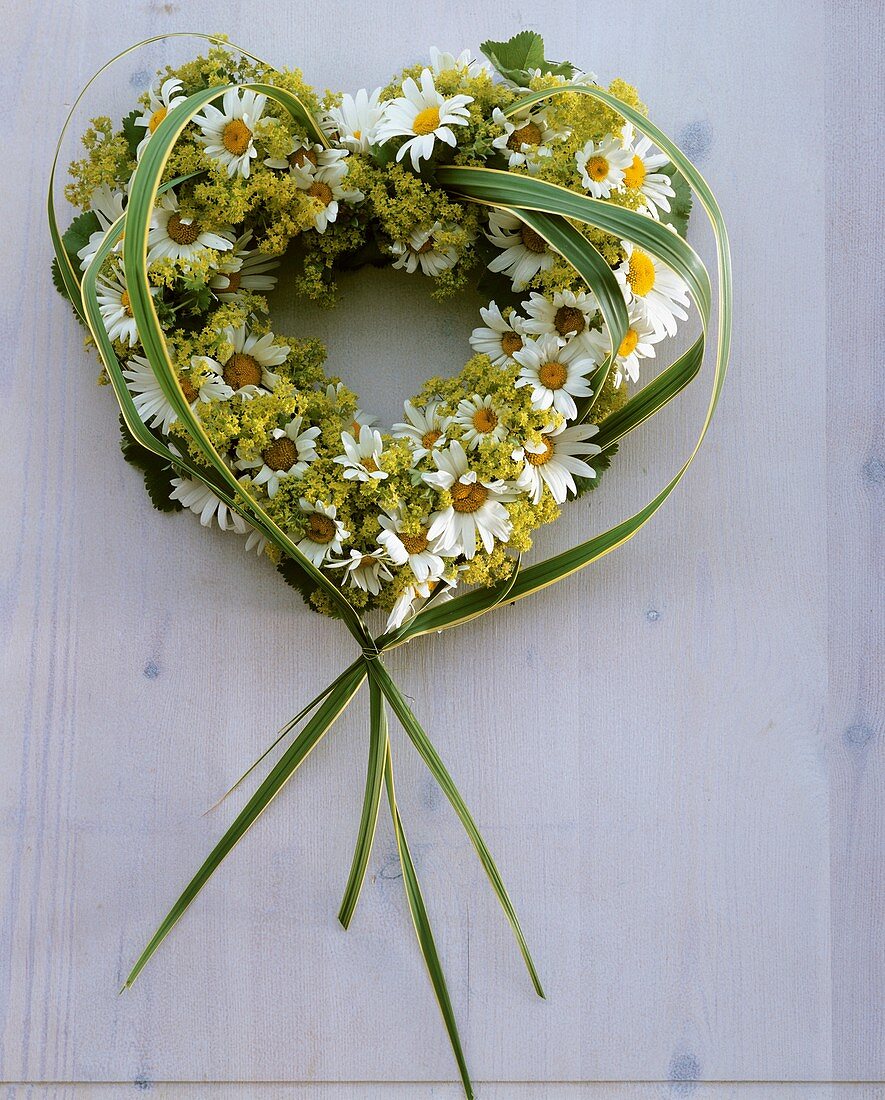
528, 176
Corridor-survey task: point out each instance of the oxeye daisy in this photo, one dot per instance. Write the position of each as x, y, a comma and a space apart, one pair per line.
415, 597
365, 571
425, 430
228, 134
323, 532
325, 184
556, 374
148, 395
661, 292
477, 507
107, 205
553, 461
205, 382
422, 115
524, 141
243, 269
174, 236
643, 175
525, 252
200, 499
566, 315
464, 63
288, 454
248, 366
353, 123
362, 457
116, 308
414, 547
601, 165
161, 100
501, 338
305, 156
638, 343
479, 420
421, 250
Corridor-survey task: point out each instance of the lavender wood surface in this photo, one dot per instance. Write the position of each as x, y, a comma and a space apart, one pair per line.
676, 756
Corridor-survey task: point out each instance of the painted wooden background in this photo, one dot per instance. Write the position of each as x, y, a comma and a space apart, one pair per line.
676, 756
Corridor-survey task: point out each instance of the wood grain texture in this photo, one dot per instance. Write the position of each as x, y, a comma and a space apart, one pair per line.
676, 757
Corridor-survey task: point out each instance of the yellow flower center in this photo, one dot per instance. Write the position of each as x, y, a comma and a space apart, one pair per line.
485, 419
233, 282
321, 191
157, 117
530, 134
468, 497
424, 248
510, 342
357, 134
183, 232
634, 176
320, 528
597, 168
429, 438
297, 158
544, 456
569, 321
126, 303
415, 544
235, 137
533, 241
628, 344
641, 274
190, 391
426, 121
370, 464
242, 370
282, 454
552, 376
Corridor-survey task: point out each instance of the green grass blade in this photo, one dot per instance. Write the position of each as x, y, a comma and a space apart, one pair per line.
424, 932
297, 752
371, 803
438, 770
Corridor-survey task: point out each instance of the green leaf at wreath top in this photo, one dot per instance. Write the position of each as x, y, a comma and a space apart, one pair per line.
521, 55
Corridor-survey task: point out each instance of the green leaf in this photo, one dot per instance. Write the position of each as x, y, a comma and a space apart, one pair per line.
521, 55
133, 134
77, 235
157, 472
680, 206
423, 931
296, 578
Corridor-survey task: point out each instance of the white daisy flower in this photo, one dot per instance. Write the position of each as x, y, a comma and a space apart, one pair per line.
116, 308
307, 156
524, 141
243, 269
479, 420
422, 115
107, 205
601, 165
161, 100
228, 135
360, 418
501, 338
464, 63
638, 343
325, 183
477, 508
425, 430
365, 571
417, 596
565, 315
554, 461
248, 366
150, 401
525, 252
423, 555
174, 237
556, 374
362, 457
324, 533
212, 387
420, 249
288, 454
661, 292
200, 499
355, 121
643, 175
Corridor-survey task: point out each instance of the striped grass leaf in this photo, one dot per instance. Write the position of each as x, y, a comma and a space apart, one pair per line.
439, 772
316, 727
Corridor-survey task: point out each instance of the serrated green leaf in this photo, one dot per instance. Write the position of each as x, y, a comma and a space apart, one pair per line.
296, 578
521, 55
77, 235
157, 473
133, 134
680, 206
